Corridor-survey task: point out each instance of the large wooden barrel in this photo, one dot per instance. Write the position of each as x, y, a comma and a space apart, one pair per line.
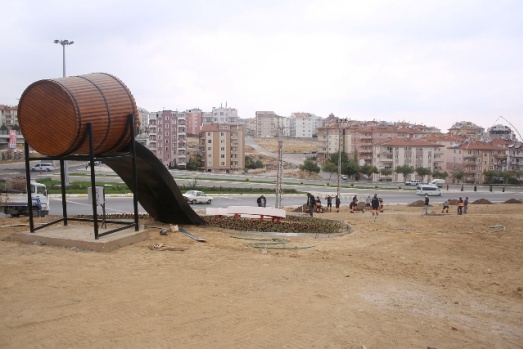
53, 114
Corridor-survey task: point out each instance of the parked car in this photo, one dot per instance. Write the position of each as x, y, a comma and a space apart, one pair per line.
412, 182
344, 177
437, 181
197, 197
43, 167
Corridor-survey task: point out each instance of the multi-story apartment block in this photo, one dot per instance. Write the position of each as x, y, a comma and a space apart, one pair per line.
268, 124
221, 115
302, 125
411, 152
474, 157
515, 157
193, 121
361, 138
329, 141
468, 129
500, 131
222, 148
168, 138
8, 116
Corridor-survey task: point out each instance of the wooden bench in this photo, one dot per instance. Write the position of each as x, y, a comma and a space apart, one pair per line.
255, 212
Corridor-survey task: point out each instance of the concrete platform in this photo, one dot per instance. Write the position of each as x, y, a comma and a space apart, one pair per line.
81, 236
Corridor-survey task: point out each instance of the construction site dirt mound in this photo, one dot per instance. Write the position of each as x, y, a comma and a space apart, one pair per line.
482, 202
418, 203
513, 201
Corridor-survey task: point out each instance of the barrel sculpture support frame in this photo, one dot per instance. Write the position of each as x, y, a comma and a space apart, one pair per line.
88, 135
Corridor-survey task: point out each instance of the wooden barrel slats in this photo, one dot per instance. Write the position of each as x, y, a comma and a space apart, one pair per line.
54, 114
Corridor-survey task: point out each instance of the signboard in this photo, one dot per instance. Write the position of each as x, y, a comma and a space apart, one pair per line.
12, 139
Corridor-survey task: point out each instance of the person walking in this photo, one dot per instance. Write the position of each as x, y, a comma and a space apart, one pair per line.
261, 201
460, 206
381, 204
368, 203
353, 204
337, 202
375, 203
446, 205
329, 202
465, 204
427, 204
311, 203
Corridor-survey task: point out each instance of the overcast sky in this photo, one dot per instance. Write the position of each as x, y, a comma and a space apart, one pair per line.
430, 62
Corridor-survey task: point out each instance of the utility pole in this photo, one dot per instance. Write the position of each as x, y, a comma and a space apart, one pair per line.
340, 133
64, 43
279, 173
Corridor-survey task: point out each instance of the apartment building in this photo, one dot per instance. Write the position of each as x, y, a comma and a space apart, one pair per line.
500, 131
193, 121
329, 141
515, 157
8, 115
474, 157
361, 138
168, 137
411, 152
468, 129
268, 124
221, 115
302, 125
222, 148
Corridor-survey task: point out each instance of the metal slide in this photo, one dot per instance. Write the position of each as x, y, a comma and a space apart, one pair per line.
158, 193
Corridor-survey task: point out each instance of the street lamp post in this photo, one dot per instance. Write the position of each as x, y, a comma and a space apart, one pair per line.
64, 43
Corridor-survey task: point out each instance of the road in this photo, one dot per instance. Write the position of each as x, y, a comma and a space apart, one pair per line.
388, 192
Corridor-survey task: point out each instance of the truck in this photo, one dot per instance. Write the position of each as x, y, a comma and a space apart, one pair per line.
438, 182
13, 197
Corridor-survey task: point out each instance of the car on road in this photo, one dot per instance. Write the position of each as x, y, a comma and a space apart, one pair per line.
197, 197
96, 163
43, 167
344, 177
412, 182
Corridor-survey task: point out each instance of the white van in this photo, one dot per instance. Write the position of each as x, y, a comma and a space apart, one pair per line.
43, 167
438, 182
430, 189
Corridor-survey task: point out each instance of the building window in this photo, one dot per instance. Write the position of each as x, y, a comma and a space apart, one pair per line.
209, 141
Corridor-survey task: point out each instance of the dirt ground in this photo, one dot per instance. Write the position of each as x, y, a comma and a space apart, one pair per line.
399, 280
290, 145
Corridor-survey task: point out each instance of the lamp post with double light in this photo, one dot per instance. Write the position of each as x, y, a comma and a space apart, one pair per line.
64, 43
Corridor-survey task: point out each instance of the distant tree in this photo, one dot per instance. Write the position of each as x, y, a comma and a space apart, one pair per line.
457, 175
194, 163
352, 170
310, 167
344, 160
386, 171
422, 172
368, 170
16, 127
329, 167
405, 170
438, 174
252, 164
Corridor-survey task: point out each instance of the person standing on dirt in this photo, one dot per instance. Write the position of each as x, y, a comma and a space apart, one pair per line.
446, 205
375, 203
465, 205
368, 203
329, 202
460, 206
337, 202
311, 203
427, 204
261, 201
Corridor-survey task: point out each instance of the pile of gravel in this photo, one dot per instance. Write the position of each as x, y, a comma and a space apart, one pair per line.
482, 202
513, 201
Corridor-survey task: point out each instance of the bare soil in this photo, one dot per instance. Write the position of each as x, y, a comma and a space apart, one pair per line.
290, 145
399, 280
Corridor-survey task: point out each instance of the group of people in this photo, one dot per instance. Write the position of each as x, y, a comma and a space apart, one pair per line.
462, 205
314, 203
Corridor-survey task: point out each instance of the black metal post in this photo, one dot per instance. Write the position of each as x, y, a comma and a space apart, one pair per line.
135, 176
63, 188
28, 185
